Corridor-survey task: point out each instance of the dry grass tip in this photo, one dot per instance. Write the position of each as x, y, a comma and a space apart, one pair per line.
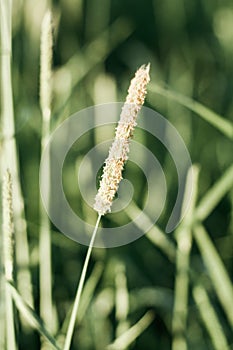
118, 152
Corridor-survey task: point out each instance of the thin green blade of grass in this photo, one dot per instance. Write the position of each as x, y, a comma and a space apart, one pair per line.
31, 317
75, 308
45, 253
209, 318
217, 270
218, 273
9, 152
121, 299
214, 195
11, 343
155, 235
184, 244
127, 338
221, 124
89, 289
87, 296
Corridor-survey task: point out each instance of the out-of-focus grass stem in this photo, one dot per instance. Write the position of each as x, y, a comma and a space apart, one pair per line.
45, 256
9, 154
184, 243
209, 317
217, 271
73, 316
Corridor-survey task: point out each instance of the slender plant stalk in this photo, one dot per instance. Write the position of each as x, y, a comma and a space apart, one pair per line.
128, 337
210, 319
88, 291
122, 300
155, 234
217, 271
73, 316
220, 123
30, 316
214, 195
45, 255
9, 152
184, 243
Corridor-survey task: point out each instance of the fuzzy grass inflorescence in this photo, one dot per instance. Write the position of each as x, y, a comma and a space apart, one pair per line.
8, 226
118, 153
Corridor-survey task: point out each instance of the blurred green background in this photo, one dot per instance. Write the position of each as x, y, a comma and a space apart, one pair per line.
98, 45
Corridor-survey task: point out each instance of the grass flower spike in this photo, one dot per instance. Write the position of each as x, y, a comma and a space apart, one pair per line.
118, 153
8, 226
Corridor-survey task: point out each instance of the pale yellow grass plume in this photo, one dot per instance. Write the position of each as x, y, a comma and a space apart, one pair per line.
118, 153
8, 226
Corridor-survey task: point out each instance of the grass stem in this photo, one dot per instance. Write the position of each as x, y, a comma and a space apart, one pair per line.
184, 243
9, 152
71, 325
45, 254
220, 123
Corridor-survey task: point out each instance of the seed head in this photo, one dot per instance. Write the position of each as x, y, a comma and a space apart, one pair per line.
118, 152
8, 226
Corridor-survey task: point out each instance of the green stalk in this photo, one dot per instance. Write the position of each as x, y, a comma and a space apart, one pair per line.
70, 329
220, 123
155, 234
184, 242
88, 292
210, 319
214, 195
128, 337
122, 300
217, 270
45, 255
9, 151
29, 315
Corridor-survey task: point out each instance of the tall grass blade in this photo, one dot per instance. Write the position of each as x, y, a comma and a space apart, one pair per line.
88, 292
31, 317
122, 300
155, 235
73, 316
214, 195
9, 152
127, 338
217, 270
221, 124
45, 255
210, 319
184, 244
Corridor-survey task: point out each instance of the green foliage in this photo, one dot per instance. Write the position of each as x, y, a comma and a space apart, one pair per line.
168, 292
